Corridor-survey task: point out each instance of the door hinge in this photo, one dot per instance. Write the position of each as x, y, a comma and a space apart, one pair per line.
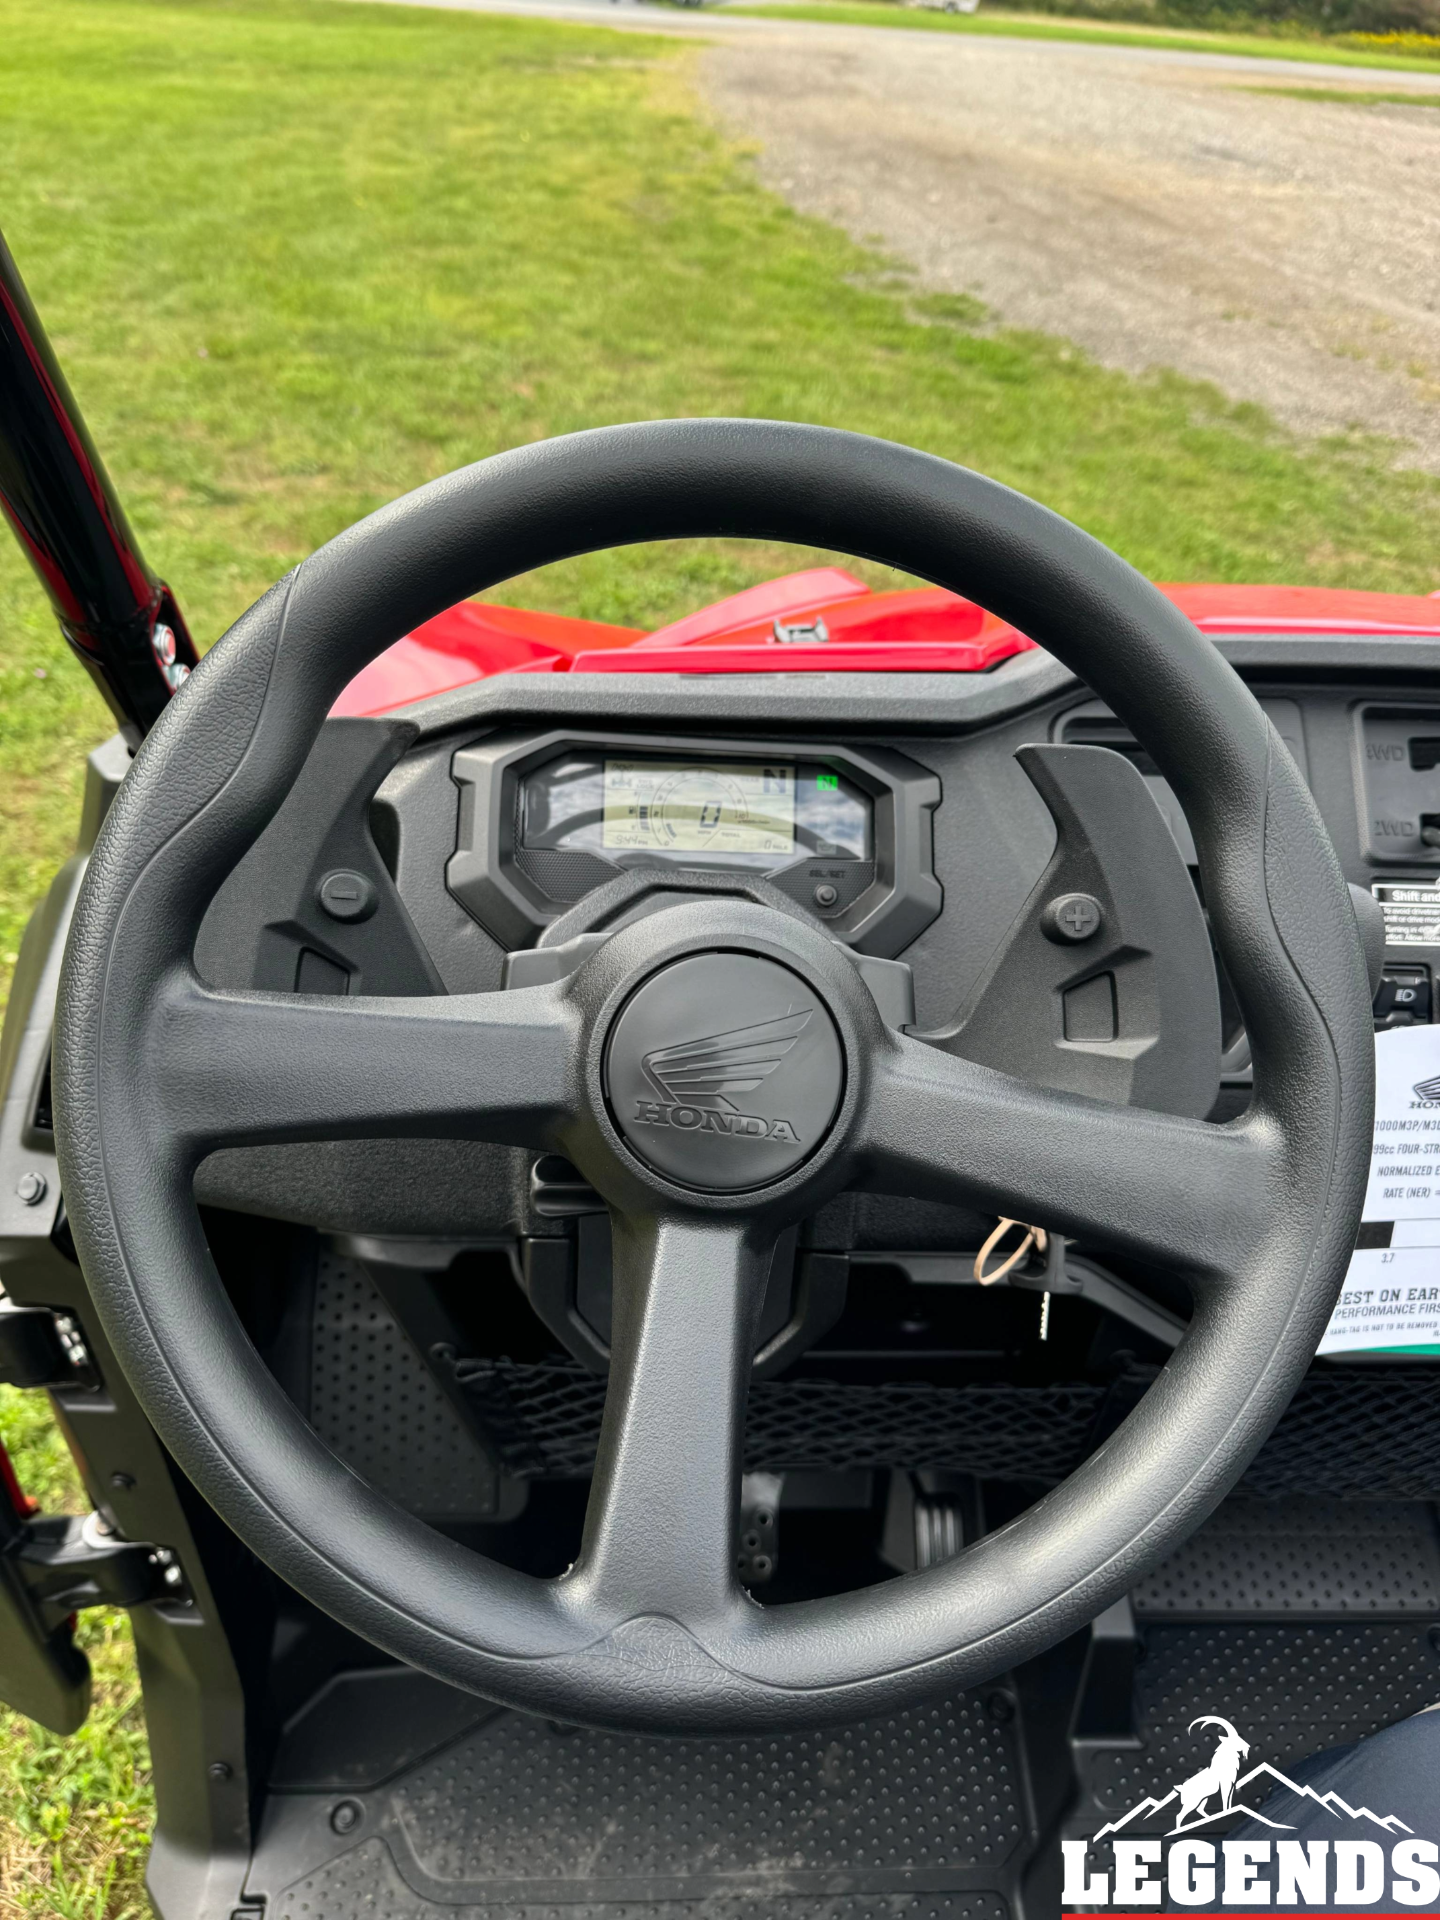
66, 1564
41, 1347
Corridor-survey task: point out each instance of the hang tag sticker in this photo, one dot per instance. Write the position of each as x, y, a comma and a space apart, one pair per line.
1391, 1298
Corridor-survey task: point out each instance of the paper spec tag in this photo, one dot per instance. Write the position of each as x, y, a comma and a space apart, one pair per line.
1391, 1297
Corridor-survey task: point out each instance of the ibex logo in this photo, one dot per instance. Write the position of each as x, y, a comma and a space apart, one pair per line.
696, 1078
1218, 1779
1296, 1873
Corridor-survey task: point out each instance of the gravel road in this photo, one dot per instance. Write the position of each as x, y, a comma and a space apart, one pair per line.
1159, 209
1158, 212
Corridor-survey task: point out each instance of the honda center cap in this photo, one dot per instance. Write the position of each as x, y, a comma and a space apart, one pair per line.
724, 1071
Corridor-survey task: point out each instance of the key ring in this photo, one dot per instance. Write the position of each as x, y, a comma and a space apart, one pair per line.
1035, 1240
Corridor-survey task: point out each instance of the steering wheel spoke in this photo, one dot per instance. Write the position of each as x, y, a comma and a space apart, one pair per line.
660, 1529
1177, 1192
248, 1068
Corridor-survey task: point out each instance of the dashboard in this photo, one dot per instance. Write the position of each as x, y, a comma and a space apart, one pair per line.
491, 831
890, 808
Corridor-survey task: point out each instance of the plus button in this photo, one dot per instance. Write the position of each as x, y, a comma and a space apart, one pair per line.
1074, 916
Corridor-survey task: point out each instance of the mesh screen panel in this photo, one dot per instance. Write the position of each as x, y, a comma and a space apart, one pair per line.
1372, 1434
1369, 1434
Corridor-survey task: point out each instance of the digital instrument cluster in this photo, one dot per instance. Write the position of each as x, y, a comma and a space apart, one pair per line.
546, 819
695, 813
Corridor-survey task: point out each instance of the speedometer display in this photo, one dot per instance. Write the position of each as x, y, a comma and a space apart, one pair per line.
755, 815
547, 821
680, 807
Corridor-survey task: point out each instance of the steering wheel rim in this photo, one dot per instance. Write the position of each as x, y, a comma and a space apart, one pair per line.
650, 1629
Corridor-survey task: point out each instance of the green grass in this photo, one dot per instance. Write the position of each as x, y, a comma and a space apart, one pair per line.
74, 1814
877, 13
378, 243
297, 258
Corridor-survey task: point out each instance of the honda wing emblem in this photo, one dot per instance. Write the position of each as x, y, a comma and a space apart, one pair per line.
701, 1073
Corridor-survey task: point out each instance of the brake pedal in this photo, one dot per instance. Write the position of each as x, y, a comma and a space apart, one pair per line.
939, 1530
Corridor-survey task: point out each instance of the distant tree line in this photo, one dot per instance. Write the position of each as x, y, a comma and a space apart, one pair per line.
1337, 17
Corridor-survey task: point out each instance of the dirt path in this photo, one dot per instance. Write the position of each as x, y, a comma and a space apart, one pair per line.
1160, 209
1158, 212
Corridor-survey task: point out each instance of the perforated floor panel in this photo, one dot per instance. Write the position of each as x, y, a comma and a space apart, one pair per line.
920, 1816
376, 1403
1262, 1559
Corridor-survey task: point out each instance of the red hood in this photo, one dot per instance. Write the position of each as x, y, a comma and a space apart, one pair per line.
850, 630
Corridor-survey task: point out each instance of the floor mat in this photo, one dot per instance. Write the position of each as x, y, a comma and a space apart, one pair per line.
365, 1881
397, 1807
919, 1816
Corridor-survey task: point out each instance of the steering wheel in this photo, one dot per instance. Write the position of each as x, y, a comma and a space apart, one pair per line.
613, 1065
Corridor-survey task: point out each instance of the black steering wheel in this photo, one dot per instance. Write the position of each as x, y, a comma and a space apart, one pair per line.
650, 1627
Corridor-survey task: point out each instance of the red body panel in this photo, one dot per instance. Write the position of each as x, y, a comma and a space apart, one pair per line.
794, 596
468, 643
921, 630
1307, 610
918, 630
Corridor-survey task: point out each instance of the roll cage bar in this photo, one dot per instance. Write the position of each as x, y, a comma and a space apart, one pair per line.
122, 621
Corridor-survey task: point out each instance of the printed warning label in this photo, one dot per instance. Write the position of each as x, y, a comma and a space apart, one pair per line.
1412, 914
